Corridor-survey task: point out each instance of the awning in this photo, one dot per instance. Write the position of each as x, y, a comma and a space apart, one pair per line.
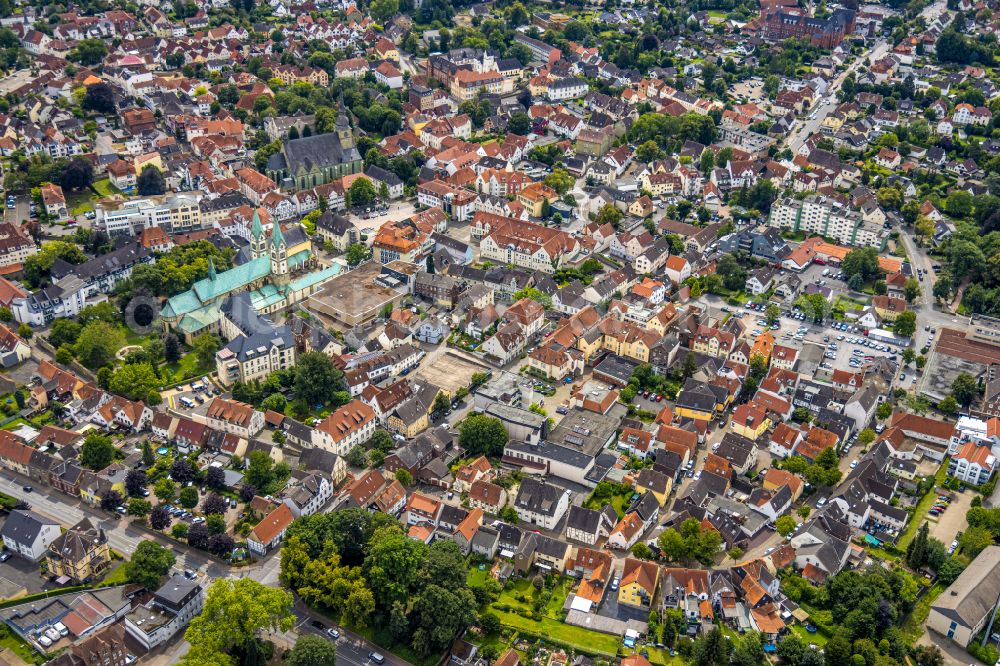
581, 604
506, 553
62, 580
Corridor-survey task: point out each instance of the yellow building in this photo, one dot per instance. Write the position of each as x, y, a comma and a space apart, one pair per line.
832, 123
750, 421
535, 196
145, 160
657, 483
81, 553
638, 583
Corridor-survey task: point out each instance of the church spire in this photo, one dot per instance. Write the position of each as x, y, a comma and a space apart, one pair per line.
343, 120
256, 230
211, 269
277, 238
258, 241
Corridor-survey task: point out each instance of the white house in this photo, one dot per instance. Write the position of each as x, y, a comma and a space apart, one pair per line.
167, 613
541, 503
28, 534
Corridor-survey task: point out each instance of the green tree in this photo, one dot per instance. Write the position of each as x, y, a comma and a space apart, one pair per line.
139, 507
965, 389
905, 324
404, 476
863, 262
97, 344
236, 611
165, 490
649, 152
911, 289
482, 435
357, 253
89, 52
205, 346
150, 182
149, 563
393, 565
310, 650
948, 405
189, 497
791, 649
974, 540
135, 381
785, 525
559, 180
866, 436
316, 378
608, 214
362, 192
734, 277
883, 411
772, 313
97, 451
383, 10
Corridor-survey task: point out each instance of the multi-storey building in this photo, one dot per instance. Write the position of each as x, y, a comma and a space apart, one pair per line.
176, 212
816, 214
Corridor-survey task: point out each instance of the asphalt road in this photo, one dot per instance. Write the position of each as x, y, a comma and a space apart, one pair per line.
352, 648
122, 536
809, 126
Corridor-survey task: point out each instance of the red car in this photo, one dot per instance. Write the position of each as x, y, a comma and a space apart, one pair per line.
659, 398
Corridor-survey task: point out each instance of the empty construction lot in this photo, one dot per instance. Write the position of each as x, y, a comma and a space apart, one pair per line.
450, 371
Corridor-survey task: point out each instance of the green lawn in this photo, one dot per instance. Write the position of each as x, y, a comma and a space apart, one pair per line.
518, 587
919, 515
9, 639
583, 640
116, 577
104, 188
818, 638
79, 202
477, 577
619, 501
913, 625
661, 656
185, 368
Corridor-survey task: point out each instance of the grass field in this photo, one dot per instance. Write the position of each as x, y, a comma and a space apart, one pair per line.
11, 641
619, 501
920, 510
104, 188
185, 368
913, 625
583, 640
658, 656
817, 638
116, 577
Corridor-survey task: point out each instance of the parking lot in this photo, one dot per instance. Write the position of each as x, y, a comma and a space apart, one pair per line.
193, 397
945, 527
845, 345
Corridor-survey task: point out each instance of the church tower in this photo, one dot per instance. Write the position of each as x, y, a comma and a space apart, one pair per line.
344, 131
279, 257
258, 242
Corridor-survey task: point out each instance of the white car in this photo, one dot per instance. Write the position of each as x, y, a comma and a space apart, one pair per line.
854, 463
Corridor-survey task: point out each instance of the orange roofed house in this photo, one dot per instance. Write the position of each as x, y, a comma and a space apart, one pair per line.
234, 417
269, 532
352, 424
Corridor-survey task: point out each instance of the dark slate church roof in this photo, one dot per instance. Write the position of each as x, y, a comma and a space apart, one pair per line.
312, 152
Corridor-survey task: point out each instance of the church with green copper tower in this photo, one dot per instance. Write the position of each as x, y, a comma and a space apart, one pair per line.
278, 270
